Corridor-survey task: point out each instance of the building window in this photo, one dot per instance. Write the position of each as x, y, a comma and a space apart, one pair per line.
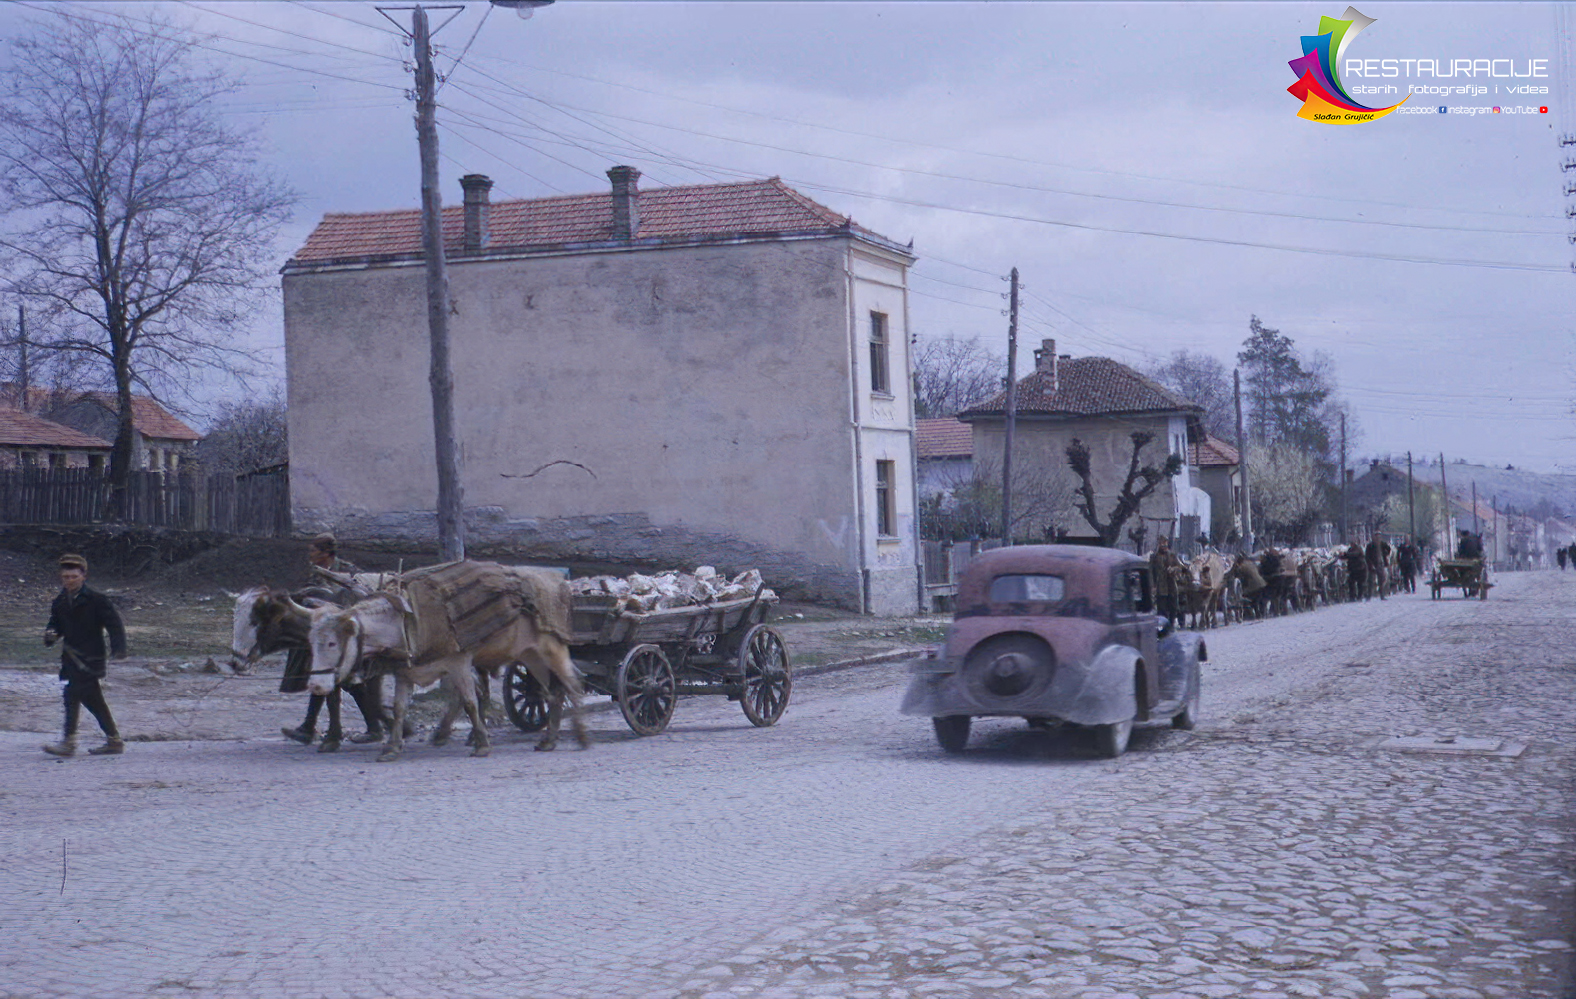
880, 371
57, 460
29, 459
886, 499
95, 463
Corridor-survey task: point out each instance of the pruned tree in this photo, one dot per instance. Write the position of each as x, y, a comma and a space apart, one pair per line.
950, 374
246, 436
1202, 379
1140, 483
133, 208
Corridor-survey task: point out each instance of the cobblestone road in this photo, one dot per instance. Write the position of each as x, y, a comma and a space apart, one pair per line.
1274, 852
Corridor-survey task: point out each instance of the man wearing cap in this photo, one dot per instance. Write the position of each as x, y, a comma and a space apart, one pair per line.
79, 619
322, 552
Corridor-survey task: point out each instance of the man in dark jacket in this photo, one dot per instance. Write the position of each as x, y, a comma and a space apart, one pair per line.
1356, 573
79, 619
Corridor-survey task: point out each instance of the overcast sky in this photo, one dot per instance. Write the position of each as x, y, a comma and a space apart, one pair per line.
1141, 164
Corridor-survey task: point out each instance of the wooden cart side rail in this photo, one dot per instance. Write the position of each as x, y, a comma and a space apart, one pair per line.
668, 624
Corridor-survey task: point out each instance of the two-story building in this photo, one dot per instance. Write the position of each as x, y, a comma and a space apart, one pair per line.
714, 374
1100, 402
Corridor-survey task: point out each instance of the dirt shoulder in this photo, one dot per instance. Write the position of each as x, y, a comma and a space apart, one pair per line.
178, 617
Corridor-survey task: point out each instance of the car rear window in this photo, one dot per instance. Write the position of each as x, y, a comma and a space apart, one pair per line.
1021, 589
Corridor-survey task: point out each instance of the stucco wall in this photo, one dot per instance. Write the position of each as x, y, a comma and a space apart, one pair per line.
1043, 442
704, 390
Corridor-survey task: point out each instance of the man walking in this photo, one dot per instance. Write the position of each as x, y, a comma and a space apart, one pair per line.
79, 619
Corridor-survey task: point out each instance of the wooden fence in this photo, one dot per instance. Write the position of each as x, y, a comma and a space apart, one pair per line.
257, 504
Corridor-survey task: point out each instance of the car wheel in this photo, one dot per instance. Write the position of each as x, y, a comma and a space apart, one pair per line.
1110, 741
952, 732
1187, 718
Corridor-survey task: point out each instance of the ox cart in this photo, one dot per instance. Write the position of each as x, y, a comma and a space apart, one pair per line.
646, 661
1470, 574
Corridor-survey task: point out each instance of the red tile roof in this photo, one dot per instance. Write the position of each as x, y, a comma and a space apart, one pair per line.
19, 429
150, 418
759, 207
1212, 452
946, 438
1087, 386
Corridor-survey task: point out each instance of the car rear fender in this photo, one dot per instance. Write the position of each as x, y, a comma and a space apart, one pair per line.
1101, 692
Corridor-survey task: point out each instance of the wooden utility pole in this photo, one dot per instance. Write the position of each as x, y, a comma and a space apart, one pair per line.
1242, 462
1477, 522
1411, 507
1444, 487
1012, 413
1344, 538
23, 376
451, 492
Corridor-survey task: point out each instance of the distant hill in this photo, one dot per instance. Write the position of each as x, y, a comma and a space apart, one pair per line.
1516, 488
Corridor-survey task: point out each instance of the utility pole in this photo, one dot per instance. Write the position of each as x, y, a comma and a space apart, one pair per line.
1343, 477
1242, 462
23, 377
1494, 549
1477, 522
451, 491
1444, 487
1012, 414
1411, 507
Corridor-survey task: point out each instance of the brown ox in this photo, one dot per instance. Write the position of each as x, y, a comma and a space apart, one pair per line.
438, 640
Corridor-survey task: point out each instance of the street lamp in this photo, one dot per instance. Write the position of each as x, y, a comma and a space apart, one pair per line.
525, 8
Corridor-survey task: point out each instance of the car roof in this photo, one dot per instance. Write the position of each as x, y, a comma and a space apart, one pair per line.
1086, 569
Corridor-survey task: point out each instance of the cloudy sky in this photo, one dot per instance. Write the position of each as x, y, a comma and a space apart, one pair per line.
1141, 164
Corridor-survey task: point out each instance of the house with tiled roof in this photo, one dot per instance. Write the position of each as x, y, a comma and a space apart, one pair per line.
1101, 403
30, 441
1215, 467
714, 374
944, 448
161, 441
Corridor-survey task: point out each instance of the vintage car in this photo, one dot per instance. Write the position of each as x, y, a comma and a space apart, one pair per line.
1058, 633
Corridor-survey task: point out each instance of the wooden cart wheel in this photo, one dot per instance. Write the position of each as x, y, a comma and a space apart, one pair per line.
524, 700
766, 676
646, 690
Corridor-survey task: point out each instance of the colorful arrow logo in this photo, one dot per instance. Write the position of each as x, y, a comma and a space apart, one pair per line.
1318, 84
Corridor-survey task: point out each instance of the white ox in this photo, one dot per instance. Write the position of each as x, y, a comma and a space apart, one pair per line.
340, 639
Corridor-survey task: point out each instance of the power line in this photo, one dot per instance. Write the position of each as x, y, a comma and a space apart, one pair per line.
1020, 159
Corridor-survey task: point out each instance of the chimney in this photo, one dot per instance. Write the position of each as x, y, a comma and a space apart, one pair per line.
1045, 360
476, 207
626, 202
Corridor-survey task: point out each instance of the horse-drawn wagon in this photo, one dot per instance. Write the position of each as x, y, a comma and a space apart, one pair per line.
1470, 574
645, 661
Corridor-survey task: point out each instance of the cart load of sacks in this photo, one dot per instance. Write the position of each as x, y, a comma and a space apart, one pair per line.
640, 594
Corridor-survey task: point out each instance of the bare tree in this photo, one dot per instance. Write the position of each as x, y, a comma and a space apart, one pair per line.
1203, 379
135, 211
951, 374
1129, 498
1042, 494
246, 436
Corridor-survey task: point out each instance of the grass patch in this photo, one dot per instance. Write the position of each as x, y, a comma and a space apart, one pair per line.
158, 629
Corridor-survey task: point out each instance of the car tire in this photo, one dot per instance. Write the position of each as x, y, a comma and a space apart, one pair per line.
952, 732
1110, 741
1187, 718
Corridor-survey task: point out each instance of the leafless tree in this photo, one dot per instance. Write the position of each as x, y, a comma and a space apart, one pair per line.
1202, 379
133, 209
1042, 493
951, 374
1141, 481
246, 436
